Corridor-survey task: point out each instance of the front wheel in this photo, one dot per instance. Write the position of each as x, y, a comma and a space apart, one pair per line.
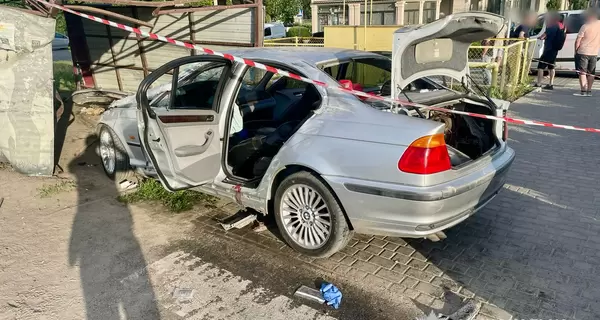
309, 217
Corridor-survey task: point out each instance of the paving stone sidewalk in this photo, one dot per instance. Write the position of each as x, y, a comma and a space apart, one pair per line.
532, 253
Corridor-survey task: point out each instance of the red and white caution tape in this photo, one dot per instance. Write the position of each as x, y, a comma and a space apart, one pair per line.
304, 79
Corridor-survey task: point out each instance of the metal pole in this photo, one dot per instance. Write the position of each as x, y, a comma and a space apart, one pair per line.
371, 14
344, 12
365, 35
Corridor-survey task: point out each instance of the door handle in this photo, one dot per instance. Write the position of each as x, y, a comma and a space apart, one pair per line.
194, 150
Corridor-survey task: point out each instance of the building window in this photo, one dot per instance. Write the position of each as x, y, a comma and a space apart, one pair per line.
411, 13
429, 11
332, 16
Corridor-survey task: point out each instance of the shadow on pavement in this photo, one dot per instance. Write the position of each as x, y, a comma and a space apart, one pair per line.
112, 266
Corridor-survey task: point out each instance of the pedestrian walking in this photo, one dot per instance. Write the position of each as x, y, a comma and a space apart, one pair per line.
554, 39
587, 46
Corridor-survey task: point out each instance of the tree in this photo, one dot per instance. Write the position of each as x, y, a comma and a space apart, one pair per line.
579, 4
307, 10
553, 5
282, 10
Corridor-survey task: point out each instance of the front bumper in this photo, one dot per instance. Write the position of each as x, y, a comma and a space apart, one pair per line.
406, 211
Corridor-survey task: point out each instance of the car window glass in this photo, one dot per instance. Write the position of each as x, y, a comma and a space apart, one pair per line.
267, 32
367, 75
289, 83
197, 89
574, 23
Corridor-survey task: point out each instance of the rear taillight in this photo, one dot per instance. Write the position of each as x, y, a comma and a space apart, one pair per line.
505, 132
426, 155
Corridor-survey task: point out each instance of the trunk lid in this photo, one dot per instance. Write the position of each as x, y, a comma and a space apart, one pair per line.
440, 47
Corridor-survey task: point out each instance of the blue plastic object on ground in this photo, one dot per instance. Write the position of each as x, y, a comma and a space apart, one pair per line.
331, 294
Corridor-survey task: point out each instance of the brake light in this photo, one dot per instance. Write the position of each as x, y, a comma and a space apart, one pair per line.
426, 155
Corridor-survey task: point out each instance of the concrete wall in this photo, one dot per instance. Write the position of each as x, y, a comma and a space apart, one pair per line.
26, 92
379, 38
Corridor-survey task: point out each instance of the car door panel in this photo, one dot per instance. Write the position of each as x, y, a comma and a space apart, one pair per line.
182, 140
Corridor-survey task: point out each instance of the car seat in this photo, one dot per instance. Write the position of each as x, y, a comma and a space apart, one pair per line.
267, 142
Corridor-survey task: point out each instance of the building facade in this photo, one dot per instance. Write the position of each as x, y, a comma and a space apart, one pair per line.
406, 12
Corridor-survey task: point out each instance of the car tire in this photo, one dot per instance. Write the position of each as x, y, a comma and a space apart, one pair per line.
321, 208
111, 146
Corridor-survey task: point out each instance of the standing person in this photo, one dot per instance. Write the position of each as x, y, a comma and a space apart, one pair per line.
522, 31
587, 46
551, 38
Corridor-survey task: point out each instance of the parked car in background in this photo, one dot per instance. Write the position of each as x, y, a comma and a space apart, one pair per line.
274, 30
573, 20
325, 163
60, 41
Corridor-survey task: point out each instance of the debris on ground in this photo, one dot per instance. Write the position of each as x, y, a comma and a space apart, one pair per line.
1, 201
310, 294
127, 185
466, 312
183, 293
92, 111
331, 294
259, 226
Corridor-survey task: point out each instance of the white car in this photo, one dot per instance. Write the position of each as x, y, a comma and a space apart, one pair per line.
573, 20
60, 41
274, 30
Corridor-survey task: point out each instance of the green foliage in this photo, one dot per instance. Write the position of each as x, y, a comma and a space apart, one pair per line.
282, 10
553, 5
306, 8
61, 24
64, 79
298, 32
179, 201
51, 190
579, 4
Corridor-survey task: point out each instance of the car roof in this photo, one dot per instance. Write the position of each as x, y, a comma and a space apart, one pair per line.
312, 55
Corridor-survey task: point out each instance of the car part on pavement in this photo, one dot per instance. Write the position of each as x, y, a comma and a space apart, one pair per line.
238, 220
310, 294
309, 217
115, 160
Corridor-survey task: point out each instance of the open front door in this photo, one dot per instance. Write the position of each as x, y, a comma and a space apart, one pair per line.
179, 126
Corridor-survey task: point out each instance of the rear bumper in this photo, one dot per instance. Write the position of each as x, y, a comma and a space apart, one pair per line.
407, 211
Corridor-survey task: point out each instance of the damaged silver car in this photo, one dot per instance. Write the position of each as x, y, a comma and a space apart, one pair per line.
325, 163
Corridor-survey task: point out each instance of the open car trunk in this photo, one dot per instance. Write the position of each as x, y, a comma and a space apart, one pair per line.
438, 49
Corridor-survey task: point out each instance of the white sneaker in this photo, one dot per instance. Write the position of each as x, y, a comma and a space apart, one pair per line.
580, 94
588, 94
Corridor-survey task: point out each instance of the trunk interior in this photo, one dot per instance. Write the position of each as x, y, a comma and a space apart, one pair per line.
467, 138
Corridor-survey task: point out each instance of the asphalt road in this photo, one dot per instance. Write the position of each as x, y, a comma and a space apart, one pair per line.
61, 55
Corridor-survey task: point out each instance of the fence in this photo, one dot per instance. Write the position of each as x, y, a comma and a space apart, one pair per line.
295, 42
501, 64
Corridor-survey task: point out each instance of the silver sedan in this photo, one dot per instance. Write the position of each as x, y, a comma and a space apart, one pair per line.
325, 163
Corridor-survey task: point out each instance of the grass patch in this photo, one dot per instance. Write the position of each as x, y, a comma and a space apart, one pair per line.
514, 94
179, 201
64, 79
50, 190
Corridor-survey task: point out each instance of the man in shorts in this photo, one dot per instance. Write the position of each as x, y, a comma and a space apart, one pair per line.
548, 58
587, 46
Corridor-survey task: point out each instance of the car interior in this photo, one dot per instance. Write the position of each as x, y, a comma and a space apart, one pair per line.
272, 108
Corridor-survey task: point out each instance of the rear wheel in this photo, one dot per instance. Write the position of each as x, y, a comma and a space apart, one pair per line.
115, 160
309, 217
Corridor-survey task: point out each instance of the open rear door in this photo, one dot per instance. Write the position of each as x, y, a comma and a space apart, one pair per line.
179, 127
